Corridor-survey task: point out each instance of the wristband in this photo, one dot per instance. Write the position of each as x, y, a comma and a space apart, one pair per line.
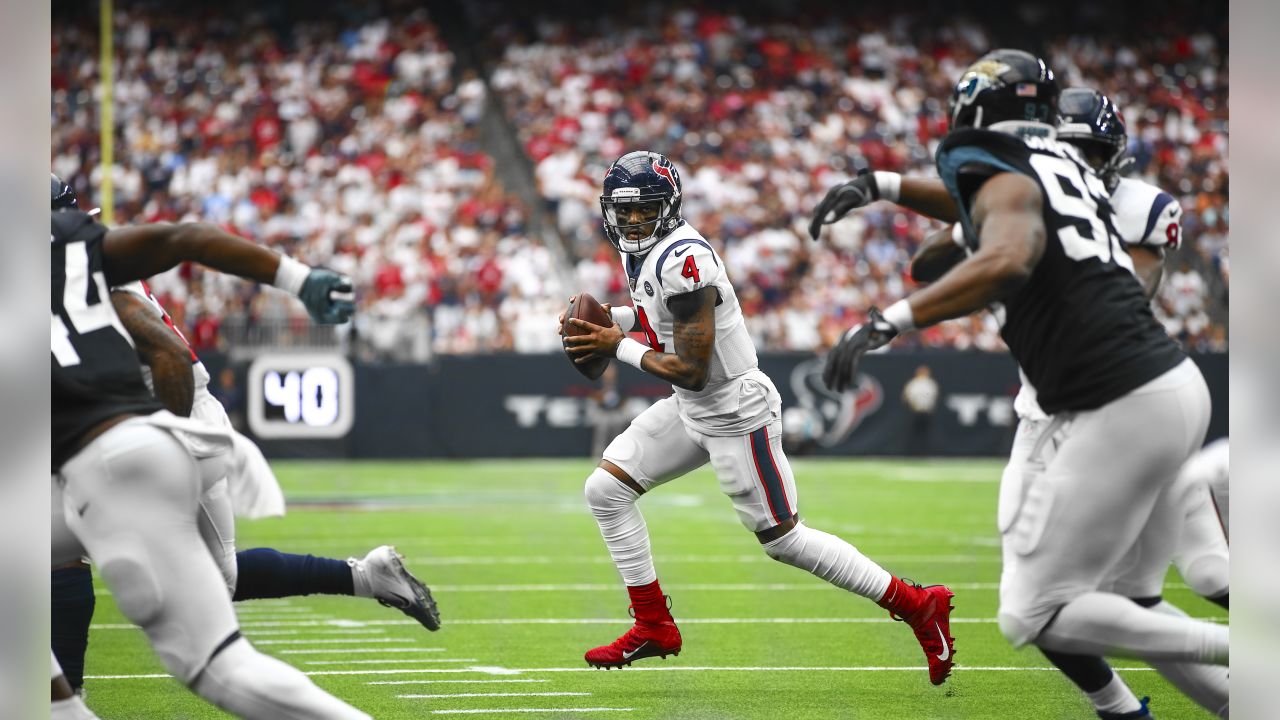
290, 275
899, 315
888, 185
624, 316
630, 352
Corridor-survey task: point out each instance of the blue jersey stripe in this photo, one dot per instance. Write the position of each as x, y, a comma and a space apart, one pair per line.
1161, 202
663, 257
949, 163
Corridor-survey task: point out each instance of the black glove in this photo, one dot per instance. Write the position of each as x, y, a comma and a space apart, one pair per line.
858, 192
328, 296
842, 361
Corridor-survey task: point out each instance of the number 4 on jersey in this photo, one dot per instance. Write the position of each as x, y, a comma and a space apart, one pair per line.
690, 269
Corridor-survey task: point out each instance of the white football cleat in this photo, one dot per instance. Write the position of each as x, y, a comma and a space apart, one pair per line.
381, 575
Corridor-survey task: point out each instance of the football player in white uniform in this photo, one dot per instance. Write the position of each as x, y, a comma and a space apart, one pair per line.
724, 411
1147, 220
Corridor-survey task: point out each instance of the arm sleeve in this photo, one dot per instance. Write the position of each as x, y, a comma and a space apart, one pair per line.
687, 265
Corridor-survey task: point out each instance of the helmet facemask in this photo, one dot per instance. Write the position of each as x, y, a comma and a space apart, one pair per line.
657, 215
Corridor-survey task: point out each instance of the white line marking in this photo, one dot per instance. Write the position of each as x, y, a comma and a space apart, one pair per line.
387, 662
359, 651
570, 559
472, 695
495, 711
327, 641
321, 631
614, 621
668, 668
269, 609
458, 682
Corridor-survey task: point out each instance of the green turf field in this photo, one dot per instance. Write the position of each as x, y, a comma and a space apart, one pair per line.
525, 586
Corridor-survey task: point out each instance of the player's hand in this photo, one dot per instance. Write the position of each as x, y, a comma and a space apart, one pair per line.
843, 359
328, 296
560, 320
858, 192
599, 341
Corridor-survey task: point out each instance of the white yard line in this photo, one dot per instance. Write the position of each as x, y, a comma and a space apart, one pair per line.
645, 668
497, 711
329, 641
603, 621
434, 696
387, 662
456, 682
359, 651
322, 631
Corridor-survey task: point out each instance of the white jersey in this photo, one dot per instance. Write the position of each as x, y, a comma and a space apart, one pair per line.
198, 370
1145, 216
680, 263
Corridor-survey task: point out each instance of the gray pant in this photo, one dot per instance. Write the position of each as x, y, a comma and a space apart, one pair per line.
1084, 490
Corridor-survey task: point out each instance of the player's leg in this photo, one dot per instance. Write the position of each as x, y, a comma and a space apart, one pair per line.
1201, 554
1104, 475
268, 573
1207, 685
64, 703
71, 594
131, 497
1106, 691
652, 450
1140, 577
754, 472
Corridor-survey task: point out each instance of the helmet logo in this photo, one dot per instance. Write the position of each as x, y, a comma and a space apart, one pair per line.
665, 172
1025, 90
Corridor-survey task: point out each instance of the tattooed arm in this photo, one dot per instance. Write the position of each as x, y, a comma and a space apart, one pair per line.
161, 349
695, 337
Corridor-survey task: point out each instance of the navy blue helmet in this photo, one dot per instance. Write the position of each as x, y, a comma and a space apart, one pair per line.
61, 195
1006, 86
646, 182
1092, 123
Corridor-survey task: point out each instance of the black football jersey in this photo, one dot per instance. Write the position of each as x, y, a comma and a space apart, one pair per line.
96, 373
1081, 327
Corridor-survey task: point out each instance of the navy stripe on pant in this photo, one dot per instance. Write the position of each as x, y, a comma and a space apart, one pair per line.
770, 478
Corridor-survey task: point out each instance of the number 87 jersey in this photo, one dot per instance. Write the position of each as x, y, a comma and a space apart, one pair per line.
680, 263
1080, 327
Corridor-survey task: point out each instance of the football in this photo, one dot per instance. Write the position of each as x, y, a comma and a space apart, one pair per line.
586, 308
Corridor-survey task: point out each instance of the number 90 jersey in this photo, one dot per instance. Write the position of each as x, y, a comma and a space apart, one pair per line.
738, 397
1081, 327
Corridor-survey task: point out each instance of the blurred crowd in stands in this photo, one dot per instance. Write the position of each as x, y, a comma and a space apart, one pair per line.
351, 138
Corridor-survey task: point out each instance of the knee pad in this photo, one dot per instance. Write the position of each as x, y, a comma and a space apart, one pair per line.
603, 491
1208, 575
251, 685
133, 585
1017, 629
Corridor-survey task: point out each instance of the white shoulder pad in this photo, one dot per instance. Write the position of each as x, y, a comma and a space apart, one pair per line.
1146, 215
686, 264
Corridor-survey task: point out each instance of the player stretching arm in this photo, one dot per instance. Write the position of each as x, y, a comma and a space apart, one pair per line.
1083, 332
128, 488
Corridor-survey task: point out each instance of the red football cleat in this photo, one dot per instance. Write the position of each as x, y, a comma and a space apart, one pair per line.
645, 639
932, 626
